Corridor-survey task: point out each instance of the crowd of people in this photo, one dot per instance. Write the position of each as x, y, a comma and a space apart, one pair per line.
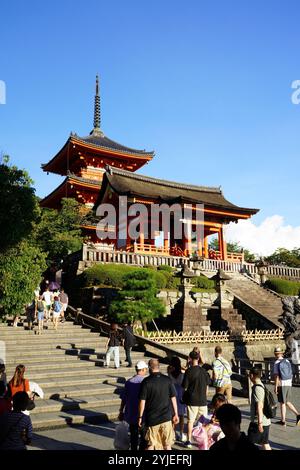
161, 408
47, 305
155, 405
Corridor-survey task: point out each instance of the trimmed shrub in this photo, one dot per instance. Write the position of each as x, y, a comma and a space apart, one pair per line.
203, 282
165, 268
283, 286
106, 275
112, 275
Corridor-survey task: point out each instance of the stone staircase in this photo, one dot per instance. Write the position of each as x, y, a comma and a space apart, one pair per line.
69, 366
260, 300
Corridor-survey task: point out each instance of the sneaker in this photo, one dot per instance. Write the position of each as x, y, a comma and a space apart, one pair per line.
298, 420
182, 437
188, 444
282, 423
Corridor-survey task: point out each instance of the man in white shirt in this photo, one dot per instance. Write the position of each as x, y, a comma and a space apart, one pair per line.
48, 298
283, 385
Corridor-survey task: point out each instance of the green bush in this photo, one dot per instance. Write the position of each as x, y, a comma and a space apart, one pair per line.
113, 275
165, 268
160, 279
106, 275
203, 282
283, 286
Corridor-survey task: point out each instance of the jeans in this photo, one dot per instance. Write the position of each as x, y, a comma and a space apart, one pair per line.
128, 357
115, 351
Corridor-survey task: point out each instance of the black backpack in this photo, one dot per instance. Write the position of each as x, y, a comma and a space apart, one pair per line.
270, 405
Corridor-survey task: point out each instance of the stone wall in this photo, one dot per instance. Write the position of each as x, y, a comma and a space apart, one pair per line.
203, 299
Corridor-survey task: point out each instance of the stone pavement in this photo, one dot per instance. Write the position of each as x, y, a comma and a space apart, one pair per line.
101, 436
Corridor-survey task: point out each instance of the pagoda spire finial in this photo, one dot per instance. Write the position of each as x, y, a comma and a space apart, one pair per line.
97, 110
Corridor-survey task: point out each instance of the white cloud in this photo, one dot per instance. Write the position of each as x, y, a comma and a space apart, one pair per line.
265, 238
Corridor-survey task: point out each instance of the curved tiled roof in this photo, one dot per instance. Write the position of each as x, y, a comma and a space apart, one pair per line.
100, 140
124, 182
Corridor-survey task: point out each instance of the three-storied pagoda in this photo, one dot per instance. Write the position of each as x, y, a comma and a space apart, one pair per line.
82, 160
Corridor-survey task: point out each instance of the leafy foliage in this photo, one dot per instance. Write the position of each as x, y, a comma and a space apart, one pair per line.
20, 273
58, 232
286, 257
19, 208
137, 300
283, 286
113, 275
202, 282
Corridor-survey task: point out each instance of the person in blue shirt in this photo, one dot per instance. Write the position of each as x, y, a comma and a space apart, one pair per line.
129, 405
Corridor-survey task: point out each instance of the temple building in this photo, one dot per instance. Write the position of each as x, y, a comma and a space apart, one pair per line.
216, 212
98, 170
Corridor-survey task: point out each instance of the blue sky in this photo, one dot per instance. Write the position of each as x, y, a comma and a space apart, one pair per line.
207, 85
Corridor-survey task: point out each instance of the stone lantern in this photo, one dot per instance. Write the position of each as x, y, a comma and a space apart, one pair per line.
262, 270
197, 264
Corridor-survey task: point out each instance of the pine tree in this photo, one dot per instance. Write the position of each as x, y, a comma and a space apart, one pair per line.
137, 300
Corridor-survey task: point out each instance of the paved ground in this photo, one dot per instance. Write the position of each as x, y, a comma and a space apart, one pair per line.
93, 437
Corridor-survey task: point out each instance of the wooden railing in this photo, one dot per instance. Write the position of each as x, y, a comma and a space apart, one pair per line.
262, 335
149, 249
171, 337
161, 257
283, 271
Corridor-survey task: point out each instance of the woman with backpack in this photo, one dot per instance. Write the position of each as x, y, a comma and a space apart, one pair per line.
283, 375
57, 309
40, 313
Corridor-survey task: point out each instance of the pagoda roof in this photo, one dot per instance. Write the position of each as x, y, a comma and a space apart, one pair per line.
100, 146
53, 199
131, 184
98, 139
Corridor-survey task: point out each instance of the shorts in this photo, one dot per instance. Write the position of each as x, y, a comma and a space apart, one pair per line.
256, 437
40, 316
225, 390
64, 307
284, 394
56, 314
194, 412
161, 435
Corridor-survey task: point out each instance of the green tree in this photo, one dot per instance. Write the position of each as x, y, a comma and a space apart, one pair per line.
58, 232
287, 257
19, 208
234, 247
21, 268
137, 300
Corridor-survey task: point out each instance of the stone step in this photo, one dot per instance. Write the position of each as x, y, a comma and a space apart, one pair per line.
66, 404
71, 391
48, 337
53, 345
90, 377
41, 421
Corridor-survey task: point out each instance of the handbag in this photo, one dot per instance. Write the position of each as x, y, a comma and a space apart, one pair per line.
254, 435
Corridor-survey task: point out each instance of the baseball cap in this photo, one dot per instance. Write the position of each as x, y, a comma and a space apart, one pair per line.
278, 350
141, 365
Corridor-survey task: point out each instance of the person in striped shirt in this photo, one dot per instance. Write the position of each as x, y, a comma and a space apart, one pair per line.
15, 426
221, 374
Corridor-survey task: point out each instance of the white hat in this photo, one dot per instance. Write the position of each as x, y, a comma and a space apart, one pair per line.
141, 365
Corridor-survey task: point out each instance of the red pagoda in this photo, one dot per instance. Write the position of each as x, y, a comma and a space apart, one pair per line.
82, 160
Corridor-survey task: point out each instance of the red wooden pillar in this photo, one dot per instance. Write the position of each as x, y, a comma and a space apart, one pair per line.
222, 244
